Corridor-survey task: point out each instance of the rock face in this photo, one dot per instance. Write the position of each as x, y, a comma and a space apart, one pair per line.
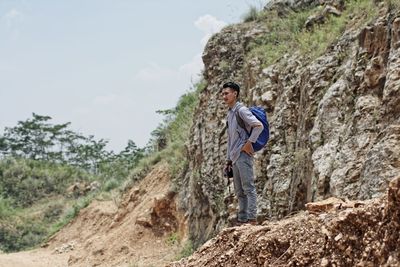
366, 234
335, 121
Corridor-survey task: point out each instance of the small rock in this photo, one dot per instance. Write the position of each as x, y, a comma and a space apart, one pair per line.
324, 262
65, 248
338, 237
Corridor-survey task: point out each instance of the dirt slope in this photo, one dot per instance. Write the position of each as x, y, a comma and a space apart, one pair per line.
330, 233
132, 233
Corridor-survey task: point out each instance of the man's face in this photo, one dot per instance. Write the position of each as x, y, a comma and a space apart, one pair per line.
229, 96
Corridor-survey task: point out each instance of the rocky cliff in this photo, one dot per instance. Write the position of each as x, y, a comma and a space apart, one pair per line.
333, 106
330, 233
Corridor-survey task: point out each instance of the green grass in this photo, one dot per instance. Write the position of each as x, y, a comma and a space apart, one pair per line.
394, 5
288, 34
111, 184
25, 228
172, 239
24, 182
69, 213
187, 250
6, 209
33, 202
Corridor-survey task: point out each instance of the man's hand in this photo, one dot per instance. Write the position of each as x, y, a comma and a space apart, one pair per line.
248, 148
228, 172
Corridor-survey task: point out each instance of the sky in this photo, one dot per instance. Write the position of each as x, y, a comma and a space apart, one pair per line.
106, 66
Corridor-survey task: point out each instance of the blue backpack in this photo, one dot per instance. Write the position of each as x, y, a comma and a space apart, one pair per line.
261, 115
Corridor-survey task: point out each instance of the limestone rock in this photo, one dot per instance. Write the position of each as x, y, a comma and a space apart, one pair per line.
334, 121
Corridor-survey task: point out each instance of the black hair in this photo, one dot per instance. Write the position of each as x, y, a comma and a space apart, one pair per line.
234, 86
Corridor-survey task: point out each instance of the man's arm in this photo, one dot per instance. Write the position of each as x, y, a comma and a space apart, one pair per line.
228, 143
248, 147
256, 129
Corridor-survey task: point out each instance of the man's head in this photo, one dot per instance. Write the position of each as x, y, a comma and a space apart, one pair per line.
230, 93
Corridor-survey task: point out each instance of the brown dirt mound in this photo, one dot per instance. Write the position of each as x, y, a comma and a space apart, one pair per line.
331, 233
132, 233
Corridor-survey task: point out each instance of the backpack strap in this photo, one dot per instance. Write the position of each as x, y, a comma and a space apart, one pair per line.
239, 119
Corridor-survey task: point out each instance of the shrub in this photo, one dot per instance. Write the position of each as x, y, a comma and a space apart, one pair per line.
26, 181
53, 212
5, 208
251, 15
110, 185
19, 234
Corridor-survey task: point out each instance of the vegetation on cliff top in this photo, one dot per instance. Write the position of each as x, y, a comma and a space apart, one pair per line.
288, 32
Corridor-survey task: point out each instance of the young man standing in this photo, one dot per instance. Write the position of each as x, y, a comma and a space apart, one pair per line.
240, 152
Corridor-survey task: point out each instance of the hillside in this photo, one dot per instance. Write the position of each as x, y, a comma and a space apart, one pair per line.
140, 230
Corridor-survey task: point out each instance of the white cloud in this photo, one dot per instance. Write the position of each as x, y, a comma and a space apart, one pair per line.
209, 25
154, 73
192, 69
12, 18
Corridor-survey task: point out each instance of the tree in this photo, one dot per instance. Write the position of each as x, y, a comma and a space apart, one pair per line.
37, 139
131, 154
3, 145
34, 138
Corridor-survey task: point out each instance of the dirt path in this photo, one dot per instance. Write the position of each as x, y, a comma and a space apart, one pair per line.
35, 258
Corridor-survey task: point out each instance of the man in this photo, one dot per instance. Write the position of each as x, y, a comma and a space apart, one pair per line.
240, 152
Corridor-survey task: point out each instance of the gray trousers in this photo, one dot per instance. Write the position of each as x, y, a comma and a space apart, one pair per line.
243, 180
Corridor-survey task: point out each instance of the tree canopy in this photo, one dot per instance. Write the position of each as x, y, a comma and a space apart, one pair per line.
38, 139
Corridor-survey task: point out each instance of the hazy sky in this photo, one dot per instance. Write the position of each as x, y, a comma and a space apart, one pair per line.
105, 66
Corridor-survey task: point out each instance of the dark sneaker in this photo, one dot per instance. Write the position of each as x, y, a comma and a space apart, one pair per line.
252, 222
239, 223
